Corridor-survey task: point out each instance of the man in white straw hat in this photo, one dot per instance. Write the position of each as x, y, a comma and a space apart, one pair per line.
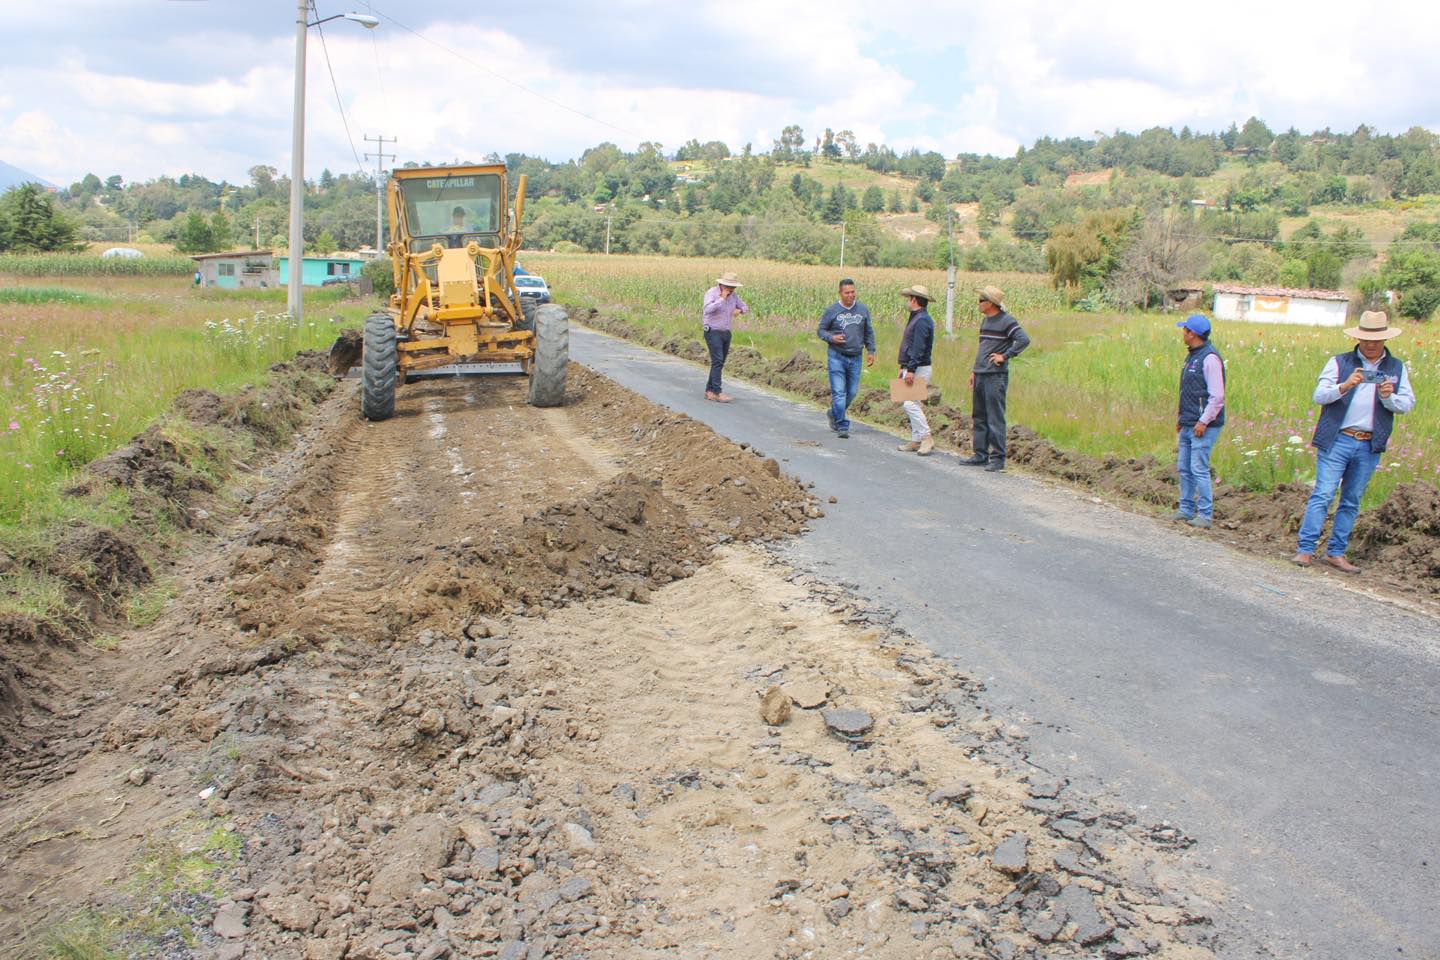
916, 344
722, 306
1001, 340
1359, 394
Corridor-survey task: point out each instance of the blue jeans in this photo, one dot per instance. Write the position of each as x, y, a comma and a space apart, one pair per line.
718, 343
844, 385
1193, 463
1348, 465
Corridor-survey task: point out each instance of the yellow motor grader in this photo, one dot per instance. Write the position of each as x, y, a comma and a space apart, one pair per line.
456, 309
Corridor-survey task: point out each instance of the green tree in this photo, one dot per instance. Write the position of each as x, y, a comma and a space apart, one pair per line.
1084, 254
222, 232
896, 204
325, 243
194, 234
29, 222
874, 201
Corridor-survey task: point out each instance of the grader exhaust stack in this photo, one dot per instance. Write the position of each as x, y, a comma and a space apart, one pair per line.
455, 309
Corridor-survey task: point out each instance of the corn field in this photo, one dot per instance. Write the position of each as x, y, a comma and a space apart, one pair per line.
84, 265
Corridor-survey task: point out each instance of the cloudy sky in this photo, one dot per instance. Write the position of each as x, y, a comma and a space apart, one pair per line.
149, 87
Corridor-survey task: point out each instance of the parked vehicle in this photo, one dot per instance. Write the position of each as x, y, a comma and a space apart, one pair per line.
533, 288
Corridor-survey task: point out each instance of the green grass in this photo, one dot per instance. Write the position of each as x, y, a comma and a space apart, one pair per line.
145, 606
33, 295
1099, 384
86, 937
80, 378
171, 873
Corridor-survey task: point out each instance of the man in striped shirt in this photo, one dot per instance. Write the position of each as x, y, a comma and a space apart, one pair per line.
1001, 340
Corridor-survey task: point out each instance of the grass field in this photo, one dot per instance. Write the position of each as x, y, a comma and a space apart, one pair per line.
1094, 383
87, 362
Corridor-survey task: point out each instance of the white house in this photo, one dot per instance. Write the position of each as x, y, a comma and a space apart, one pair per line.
1316, 308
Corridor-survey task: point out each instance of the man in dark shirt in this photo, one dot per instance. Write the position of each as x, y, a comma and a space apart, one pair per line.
1001, 340
845, 326
916, 344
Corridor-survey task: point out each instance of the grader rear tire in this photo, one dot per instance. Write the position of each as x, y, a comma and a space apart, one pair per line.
377, 376
527, 314
552, 356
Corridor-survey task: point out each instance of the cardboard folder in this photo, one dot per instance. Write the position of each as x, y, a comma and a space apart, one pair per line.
901, 391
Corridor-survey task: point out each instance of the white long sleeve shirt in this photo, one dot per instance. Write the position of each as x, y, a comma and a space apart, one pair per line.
1361, 415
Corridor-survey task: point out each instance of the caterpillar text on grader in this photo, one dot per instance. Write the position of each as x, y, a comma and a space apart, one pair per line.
455, 309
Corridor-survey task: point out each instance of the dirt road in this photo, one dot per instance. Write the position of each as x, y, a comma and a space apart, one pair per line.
491, 681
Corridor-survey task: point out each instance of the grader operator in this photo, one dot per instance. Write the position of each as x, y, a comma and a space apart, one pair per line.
455, 309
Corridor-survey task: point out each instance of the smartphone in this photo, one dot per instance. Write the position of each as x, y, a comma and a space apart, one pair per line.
1375, 376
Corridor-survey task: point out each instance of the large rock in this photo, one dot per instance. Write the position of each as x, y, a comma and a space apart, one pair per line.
230, 920
957, 791
1011, 855
808, 694
291, 913
848, 723
419, 847
1076, 905
775, 706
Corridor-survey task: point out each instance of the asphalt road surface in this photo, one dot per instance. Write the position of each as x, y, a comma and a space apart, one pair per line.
1288, 722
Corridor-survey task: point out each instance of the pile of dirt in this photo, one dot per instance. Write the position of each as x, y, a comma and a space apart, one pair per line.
737, 490
625, 539
170, 474
1402, 554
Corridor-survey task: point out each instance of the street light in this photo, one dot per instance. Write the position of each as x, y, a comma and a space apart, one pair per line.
297, 147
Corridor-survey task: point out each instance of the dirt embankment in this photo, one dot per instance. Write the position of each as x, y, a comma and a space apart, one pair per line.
170, 477
491, 681
1398, 541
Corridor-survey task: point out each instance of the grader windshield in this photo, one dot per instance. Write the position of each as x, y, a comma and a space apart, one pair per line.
453, 210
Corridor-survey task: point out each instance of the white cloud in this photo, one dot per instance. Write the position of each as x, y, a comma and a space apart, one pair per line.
953, 76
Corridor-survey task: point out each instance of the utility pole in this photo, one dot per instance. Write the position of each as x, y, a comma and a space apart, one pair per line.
379, 156
608, 210
950, 278
257, 234
842, 245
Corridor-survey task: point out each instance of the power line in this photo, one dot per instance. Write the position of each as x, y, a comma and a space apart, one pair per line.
340, 104
379, 156
504, 79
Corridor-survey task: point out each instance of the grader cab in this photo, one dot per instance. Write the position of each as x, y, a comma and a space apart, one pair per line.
455, 309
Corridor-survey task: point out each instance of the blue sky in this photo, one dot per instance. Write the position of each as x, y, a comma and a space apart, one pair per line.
145, 87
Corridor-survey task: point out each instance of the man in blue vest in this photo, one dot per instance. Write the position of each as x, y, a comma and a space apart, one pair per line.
1359, 394
1202, 414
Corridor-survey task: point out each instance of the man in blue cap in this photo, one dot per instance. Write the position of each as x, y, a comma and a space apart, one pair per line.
1202, 414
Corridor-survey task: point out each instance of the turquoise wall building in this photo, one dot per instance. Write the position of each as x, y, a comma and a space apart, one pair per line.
316, 270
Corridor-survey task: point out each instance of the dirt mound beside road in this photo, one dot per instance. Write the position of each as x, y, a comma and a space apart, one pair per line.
169, 475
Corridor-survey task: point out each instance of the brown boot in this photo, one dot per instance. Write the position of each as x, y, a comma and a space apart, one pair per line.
910, 447
1301, 559
927, 446
1341, 564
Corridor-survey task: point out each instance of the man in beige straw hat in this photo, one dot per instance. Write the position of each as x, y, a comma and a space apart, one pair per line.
722, 306
1001, 340
1359, 394
916, 344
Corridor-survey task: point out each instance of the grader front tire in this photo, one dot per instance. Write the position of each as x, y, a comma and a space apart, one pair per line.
377, 376
552, 356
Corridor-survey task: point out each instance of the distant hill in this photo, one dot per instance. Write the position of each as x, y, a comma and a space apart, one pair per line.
13, 176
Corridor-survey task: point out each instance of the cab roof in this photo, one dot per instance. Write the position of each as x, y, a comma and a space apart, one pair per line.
411, 173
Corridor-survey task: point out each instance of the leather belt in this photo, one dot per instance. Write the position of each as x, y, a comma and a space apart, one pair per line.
1358, 434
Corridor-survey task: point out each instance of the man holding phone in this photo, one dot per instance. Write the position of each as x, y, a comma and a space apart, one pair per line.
1359, 393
